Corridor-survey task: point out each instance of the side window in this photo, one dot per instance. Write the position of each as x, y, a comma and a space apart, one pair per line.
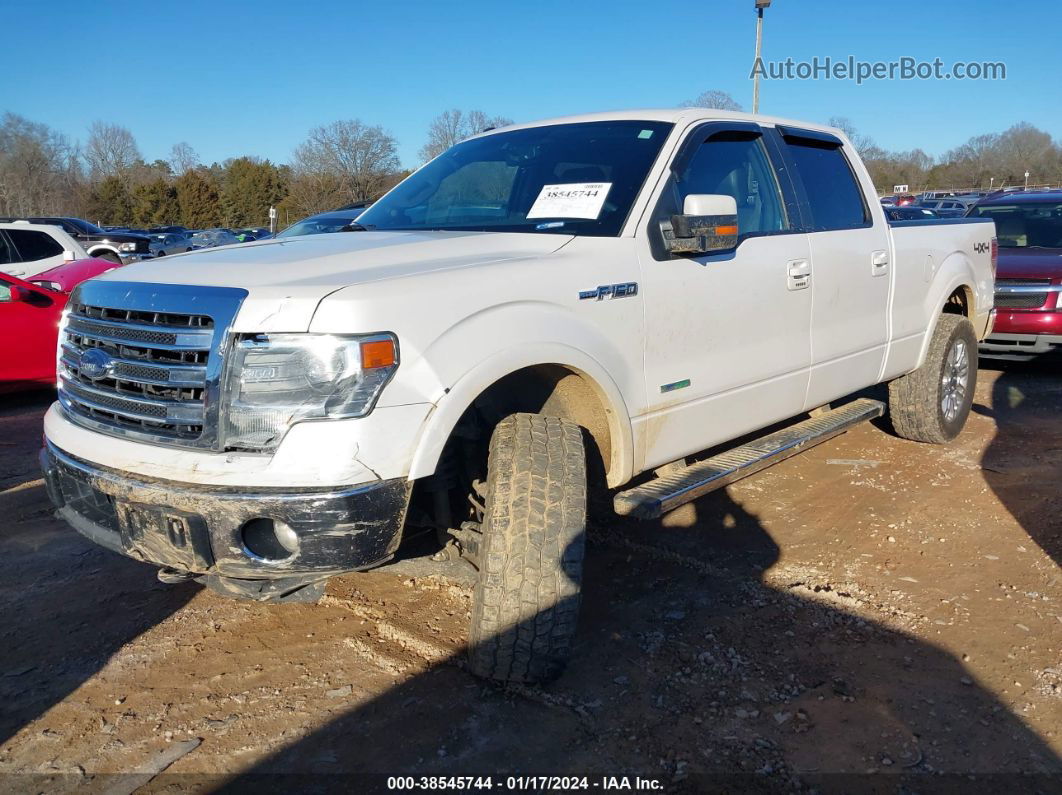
832, 191
736, 164
5, 291
34, 245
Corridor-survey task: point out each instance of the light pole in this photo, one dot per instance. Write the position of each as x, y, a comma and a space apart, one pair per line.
1026, 180
760, 5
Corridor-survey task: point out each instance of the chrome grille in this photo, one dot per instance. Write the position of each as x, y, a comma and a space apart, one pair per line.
1022, 293
160, 372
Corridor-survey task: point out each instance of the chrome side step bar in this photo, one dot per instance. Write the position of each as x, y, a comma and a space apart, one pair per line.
663, 494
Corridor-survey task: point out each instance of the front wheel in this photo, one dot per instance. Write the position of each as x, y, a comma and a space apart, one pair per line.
110, 256
932, 403
530, 553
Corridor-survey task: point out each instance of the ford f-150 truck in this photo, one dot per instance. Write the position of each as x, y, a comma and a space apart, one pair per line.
583, 300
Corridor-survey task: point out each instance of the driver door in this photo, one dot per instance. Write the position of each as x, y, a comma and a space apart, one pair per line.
727, 335
29, 320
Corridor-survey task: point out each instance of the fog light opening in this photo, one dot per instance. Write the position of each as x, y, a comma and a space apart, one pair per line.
269, 540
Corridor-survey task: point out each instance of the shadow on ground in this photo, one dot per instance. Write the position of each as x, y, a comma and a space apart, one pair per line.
690, 669
57, 589
1023, 464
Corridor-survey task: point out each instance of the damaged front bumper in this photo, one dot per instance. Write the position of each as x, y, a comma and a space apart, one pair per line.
256, 543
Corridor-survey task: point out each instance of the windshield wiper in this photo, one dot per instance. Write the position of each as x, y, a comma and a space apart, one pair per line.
354, 226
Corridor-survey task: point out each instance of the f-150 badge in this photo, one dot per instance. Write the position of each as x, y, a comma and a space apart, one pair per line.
610, 291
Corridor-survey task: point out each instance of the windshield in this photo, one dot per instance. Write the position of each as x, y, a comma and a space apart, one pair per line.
317, 226
569, 178
1025, 225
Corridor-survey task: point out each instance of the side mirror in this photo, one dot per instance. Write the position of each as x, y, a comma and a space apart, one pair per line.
68, 256
708, 223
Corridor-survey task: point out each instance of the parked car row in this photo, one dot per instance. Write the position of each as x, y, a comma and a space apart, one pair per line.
118, 246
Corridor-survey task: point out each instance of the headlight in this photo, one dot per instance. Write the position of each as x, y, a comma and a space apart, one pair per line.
276, 380
127, 247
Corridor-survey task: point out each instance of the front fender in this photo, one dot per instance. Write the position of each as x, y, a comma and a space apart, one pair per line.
509, 333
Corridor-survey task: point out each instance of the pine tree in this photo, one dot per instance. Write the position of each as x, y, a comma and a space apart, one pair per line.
248, 189
197, 200
155, 203
110, 203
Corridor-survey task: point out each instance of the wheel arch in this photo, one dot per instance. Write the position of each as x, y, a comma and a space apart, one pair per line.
554, 380
952, 292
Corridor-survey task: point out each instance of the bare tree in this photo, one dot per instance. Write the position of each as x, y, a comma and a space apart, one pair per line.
348, 156
713, 98
864, 144
111, 150
183, 158
39, 169
453, 126
1023, 148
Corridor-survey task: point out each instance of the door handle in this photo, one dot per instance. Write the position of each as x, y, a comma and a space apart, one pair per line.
879, 263
799, 274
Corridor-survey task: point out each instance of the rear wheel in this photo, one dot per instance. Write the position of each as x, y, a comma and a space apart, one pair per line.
530, 552
932, 403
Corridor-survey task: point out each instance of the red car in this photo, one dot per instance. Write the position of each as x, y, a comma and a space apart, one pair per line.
29, 320
1029, 276
69, 275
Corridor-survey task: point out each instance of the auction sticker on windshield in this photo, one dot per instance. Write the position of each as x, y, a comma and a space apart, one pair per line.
570, 200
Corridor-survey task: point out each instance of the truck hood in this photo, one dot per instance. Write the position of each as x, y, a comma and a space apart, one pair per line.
287, 278
1029, 263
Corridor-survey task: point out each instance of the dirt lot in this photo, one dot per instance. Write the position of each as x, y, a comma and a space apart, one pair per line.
874, 605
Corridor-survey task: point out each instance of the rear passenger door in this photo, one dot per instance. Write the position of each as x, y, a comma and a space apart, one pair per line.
850, 266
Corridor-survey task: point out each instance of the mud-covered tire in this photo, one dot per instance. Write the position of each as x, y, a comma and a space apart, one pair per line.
530, 558
916, 400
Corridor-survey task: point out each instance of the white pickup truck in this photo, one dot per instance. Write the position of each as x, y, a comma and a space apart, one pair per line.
578, 300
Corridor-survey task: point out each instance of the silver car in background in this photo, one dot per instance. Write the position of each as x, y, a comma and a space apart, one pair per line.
163, 243
211, 238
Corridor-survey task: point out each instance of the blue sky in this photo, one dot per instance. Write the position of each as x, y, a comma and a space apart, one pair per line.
235, 78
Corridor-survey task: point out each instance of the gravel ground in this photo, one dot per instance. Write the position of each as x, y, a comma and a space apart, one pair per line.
874, 606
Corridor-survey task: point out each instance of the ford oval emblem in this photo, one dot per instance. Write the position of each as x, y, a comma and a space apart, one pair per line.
95, 363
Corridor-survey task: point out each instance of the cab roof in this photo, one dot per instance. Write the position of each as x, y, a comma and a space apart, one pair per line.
676, 116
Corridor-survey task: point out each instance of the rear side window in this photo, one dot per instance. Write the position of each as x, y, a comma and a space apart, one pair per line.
833, 194
33, 245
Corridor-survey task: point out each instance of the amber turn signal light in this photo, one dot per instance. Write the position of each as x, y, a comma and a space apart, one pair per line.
378, 353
